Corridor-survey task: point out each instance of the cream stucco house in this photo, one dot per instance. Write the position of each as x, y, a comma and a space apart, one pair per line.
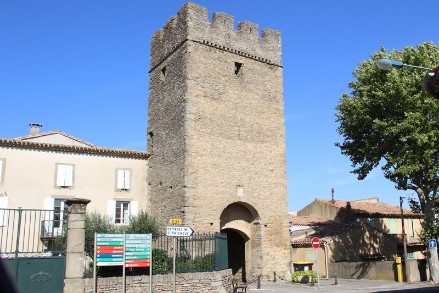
42, 169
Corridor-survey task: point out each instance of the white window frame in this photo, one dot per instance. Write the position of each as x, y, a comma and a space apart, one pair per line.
64, 176
123, 179
55, 209
132, 208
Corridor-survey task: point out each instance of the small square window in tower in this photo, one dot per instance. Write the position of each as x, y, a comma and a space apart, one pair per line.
237, 67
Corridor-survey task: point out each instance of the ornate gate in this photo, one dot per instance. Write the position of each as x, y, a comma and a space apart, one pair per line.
32, 246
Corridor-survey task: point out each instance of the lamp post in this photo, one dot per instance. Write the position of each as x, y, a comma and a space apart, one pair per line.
430, 81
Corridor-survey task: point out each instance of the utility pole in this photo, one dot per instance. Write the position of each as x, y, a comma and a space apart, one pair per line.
404, 238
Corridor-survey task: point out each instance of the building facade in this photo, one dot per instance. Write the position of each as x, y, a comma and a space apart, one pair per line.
216, 135
42, 170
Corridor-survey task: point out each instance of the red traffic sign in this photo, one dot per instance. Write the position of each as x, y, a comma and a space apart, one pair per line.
315, 242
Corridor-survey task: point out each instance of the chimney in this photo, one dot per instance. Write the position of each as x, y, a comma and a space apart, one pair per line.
332, 191
35, 128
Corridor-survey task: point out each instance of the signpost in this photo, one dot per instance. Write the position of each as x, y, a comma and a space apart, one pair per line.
315, 242
433, 260
109, 249
138, 250
127, 250
177, 231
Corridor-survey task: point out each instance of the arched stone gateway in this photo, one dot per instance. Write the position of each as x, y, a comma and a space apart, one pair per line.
241, 222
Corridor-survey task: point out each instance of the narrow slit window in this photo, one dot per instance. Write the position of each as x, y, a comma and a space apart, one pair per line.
237, 67
163, 73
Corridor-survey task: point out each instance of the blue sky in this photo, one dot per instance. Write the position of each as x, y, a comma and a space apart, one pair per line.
82, 67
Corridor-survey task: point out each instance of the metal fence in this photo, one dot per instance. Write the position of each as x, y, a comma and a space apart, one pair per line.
32, 233
198, 253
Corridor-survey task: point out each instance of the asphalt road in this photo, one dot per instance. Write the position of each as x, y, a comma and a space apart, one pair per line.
344, 285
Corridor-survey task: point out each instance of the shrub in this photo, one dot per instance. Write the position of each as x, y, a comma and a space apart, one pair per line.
161, 262
142, 224
96, 223
309, 274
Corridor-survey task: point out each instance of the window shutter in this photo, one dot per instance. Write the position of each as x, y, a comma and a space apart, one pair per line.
60, 175
134, 208
120, 179
3, 214
111, 210
127, 179
123, 179
49, 205
68, 181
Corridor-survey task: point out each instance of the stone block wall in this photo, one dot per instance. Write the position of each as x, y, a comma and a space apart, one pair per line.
208, 282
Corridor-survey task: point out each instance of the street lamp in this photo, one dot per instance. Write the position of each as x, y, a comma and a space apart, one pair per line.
430, 81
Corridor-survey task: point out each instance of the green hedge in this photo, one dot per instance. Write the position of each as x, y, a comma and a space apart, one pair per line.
309, 274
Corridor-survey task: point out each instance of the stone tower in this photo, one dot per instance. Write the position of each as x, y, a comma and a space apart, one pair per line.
217, 136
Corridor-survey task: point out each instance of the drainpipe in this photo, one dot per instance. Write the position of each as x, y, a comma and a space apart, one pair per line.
326, 260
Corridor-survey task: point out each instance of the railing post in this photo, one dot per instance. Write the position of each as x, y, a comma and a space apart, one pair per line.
17, 244
73, 281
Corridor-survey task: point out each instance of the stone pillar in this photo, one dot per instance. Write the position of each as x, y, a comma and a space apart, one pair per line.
73, 282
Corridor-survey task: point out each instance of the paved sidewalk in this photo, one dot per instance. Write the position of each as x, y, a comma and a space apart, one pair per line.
344, 285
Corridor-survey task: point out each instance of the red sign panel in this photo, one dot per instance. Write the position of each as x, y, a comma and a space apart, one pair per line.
137, 263
315, 242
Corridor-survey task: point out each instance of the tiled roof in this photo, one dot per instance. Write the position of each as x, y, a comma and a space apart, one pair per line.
371, 209
326, 230
42, 134
23, 144
309, 221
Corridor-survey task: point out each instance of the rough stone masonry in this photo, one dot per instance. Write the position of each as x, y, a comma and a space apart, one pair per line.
216, 135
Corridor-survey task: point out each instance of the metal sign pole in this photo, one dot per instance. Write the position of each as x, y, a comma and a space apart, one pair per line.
317, 269
94, 267
124, 285
174, 255
150, 266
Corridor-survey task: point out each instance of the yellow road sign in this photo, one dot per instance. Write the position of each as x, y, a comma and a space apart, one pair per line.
175, 221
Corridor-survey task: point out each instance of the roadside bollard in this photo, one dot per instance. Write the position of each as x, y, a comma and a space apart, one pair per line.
335, 279
259, 283
274, 278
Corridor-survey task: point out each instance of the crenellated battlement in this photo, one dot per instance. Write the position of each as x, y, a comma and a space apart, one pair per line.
192, 24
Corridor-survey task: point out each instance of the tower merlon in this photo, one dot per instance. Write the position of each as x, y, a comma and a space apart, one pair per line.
192, 24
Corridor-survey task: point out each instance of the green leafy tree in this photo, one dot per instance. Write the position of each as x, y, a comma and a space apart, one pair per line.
142, 223
96, 223
388, 120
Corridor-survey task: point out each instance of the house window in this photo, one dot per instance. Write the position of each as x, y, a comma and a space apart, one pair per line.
55, 214
123, 179
120, 211
373, 222
64, 175
410, 255
60, 211
2, 170
392, 226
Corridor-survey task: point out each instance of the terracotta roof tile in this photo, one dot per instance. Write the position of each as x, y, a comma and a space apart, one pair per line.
23, 144
371, 209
